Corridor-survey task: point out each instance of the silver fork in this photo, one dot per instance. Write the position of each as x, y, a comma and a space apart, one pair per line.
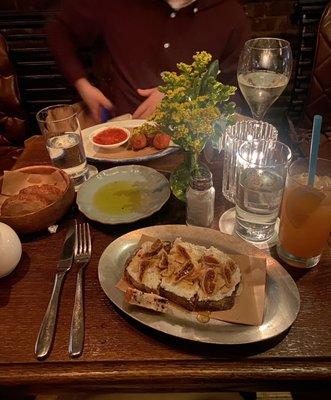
82, 256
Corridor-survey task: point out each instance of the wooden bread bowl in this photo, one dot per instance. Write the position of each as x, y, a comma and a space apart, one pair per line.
49, 215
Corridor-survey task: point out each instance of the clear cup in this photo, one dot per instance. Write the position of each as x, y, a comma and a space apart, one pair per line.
305, 221
60, 127
233, 138
262, 166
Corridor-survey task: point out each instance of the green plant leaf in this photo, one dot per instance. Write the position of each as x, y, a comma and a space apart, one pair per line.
213, 69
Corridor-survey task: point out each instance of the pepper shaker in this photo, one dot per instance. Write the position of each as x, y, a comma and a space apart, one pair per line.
200, 198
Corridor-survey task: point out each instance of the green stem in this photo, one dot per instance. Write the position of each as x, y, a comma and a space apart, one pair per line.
192, 159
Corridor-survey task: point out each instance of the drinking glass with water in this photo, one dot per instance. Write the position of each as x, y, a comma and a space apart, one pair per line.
262, 167
60, 126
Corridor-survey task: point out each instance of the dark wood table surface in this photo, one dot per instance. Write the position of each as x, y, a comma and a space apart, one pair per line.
121, 355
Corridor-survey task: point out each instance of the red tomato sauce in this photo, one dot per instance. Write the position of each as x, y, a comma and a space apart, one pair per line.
110, 136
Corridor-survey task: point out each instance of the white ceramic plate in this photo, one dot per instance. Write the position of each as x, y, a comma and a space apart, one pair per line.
154, 188
282, 301
116, 156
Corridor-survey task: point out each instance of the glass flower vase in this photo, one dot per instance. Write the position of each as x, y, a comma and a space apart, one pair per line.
180, 177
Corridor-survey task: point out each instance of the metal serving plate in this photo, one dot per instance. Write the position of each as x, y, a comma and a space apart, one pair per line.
282, 297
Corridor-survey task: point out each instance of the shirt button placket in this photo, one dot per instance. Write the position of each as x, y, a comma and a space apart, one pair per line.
172, 15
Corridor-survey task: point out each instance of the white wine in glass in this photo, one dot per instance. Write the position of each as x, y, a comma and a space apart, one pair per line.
264, 70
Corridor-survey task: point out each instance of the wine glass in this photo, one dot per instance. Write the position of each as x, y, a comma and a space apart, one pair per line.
264, 70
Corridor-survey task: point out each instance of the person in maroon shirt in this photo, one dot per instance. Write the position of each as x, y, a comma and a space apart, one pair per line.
144, 38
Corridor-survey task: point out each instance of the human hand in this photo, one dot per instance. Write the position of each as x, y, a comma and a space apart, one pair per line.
148, 106
93, 98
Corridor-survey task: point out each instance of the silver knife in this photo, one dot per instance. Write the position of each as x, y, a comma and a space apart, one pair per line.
46, 332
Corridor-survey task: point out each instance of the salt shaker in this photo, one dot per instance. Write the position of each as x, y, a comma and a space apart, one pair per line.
200, 199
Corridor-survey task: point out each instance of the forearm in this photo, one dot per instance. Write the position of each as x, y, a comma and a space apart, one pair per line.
82, 84
65, 51
76, 26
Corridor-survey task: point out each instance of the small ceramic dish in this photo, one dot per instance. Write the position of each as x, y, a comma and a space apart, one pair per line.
141, 191
99, 131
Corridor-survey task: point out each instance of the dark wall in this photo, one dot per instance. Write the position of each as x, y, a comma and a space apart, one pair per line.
22, 21
272, 17
28, 5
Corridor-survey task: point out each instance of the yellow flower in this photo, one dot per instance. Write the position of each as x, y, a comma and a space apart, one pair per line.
194, 101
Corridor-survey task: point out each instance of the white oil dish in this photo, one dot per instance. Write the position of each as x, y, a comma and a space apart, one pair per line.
123, 194
10, 250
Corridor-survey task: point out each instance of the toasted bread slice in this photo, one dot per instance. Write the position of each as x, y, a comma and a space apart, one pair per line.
47, 193
21, 205
147, 300
189, 275
143, 270
219, 278
180, 282
226, 303
186, 300
30, 199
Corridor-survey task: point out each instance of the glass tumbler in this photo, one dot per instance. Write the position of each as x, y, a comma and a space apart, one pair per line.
262, 168
305, 220
60, 127
235, 136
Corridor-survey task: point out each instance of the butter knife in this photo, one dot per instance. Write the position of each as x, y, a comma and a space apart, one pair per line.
47, 328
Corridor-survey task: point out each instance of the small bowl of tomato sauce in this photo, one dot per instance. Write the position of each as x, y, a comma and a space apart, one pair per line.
110, 137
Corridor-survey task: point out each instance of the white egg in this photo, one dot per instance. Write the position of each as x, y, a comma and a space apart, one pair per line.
10, 249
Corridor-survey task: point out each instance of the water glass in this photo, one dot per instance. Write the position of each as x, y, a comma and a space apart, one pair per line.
305, 220
233, 138
60, 126
262, 167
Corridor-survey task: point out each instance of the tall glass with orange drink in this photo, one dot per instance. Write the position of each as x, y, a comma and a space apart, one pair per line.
305, 221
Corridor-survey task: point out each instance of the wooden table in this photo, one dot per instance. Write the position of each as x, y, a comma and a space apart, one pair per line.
121, 355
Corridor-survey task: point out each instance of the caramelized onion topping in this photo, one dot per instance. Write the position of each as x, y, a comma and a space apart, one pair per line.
155, 249
164, 262
143, 266
209, 283
227, 275
232, 266
186, 270
183, 252
210, 259
167, 247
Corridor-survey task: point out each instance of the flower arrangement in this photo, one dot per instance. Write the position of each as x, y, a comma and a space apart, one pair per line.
194, 100
193, 104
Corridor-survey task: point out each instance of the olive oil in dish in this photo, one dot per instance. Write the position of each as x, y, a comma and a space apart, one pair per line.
119, 198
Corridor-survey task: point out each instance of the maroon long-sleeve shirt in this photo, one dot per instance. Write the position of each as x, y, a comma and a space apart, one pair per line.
146, 37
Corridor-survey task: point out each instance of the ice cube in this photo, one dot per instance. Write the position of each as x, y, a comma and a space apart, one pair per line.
65, 141
260, 180
270, 181
325, 182
302, 178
